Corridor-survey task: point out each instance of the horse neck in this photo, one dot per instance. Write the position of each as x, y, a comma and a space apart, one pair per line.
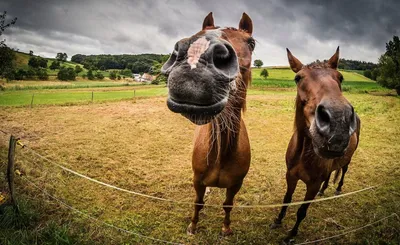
225, 128
300, 127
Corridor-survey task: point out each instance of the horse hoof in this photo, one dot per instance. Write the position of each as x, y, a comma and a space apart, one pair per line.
191, 230
208, 191
320, 194
337, 193
226, 232
287, 241
275, 225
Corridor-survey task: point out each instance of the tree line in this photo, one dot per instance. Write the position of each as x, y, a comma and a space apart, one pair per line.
140, 63
345, 64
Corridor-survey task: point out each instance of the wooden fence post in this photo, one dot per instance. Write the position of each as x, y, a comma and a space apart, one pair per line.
92, 96
134, 95
10, 171
33, 95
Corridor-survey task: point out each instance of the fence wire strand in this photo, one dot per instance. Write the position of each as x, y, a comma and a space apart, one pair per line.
93, 218
190, 203
183, 202
350, 231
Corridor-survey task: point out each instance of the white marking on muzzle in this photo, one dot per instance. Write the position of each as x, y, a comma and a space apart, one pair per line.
196, 49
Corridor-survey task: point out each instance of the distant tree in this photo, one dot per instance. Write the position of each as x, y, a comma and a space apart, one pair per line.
4, 26
7, 55
119, 77
159, 79
42, 62
156, 68
33, 62
113, 75
126, 72
66, 74
78, 58
264, 73
78, 69
374, 74
389, 66
258, 63
30, 74
20, 74
41, 74
99, 75
90, 75
30, 53
55, 65
61, 57
36, 62
368, 74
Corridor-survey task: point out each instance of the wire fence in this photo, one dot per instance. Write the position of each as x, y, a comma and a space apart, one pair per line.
26, 147
184, 202
93, 218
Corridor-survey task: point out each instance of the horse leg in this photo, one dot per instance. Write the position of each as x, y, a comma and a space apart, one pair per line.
312, 190
324, 186
291, 182
230, 195
339, 188
200, 190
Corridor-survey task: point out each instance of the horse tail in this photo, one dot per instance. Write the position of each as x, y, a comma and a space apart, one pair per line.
337, 173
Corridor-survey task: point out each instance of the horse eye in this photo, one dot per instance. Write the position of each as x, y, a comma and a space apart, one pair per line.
297, 78
252, 43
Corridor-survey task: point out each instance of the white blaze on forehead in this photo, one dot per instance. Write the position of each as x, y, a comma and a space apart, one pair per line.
196, 49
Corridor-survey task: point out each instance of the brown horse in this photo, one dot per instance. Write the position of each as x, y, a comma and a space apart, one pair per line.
208, 74
326, 132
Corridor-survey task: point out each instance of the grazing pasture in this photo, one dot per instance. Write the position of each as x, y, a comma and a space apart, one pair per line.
142, 146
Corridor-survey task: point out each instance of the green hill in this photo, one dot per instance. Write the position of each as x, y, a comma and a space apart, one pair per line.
22, 59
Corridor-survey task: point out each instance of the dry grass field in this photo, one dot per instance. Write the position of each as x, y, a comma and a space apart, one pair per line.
144, 147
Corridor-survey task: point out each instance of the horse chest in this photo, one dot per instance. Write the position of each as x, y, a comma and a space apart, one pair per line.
219, 175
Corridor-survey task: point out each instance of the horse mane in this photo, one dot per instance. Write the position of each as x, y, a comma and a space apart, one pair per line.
225, 127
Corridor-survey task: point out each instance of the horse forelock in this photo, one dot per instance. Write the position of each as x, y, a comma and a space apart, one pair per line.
317, 65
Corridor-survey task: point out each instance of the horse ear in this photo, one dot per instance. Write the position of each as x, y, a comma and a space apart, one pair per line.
295, 64
334, 60
246, 24
208, 21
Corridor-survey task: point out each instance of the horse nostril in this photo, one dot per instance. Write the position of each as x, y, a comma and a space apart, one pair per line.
323, 119
225, 60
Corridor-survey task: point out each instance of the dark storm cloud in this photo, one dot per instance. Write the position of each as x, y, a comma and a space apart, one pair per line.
311, 29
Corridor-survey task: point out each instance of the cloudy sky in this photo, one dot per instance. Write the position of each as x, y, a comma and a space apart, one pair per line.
310, 29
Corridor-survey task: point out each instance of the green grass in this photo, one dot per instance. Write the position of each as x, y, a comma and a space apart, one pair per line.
19, 93
348, 86
39, 85
288, 74
354, 81
54, 97
144, 147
